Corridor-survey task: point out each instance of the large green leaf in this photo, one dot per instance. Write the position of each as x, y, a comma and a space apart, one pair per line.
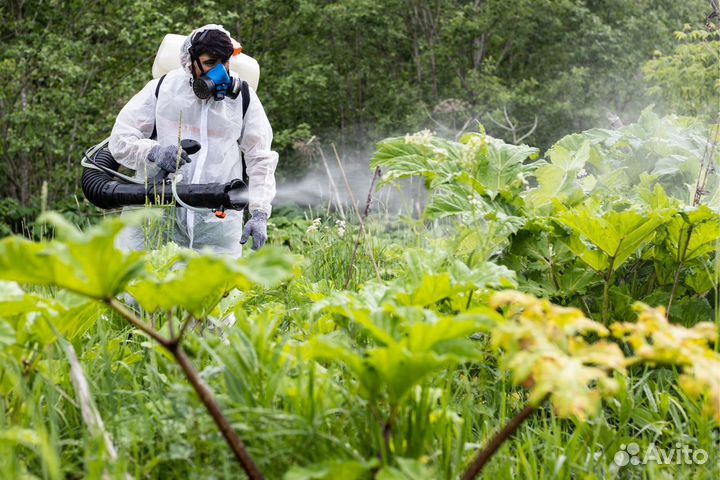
617, 235
634, 231
30, 315
397, 366
433, 337
203, 280
398, 370
87, 263
416, 155
558, 180
503, 169
575, 280
452, 199
397, 362
335, 348
482, 275
700, 279
589, 254
431, 290
457, 174
593, 227
705, 225
402, 161
363, 316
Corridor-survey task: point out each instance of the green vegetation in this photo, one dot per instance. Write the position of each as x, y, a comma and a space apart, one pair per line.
539, 314
352, 72
420, 362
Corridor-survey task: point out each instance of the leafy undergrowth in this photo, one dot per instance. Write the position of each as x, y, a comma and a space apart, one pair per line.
522, 290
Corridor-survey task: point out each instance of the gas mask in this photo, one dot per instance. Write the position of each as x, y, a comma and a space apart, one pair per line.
216, 83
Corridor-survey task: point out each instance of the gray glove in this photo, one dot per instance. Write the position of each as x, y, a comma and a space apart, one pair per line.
166, 157
257, 228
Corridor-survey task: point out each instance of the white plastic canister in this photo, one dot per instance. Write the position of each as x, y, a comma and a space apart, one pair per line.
168, 58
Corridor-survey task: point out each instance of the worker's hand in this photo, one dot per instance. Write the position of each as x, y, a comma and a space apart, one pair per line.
257, 228
166, 157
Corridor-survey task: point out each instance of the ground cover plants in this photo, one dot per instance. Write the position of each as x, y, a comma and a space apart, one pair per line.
542, 314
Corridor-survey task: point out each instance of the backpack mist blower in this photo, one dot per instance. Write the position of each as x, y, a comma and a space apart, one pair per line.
107, 188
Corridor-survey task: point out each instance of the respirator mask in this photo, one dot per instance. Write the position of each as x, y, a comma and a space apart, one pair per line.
216, 83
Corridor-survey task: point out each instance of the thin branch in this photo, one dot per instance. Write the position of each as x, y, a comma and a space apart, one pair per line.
504, 127
512, 128
231, 437
706, 165
487, 453
183, 328
357, 212
206, 397
347, 183
387, 431
466, 125
427, 112
681, 261
712, 21
171, 323
530, 132
507, 119
377, 174
132, 318
334, 188
615, 122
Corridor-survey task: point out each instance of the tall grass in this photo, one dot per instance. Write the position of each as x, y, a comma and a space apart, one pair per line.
292, 411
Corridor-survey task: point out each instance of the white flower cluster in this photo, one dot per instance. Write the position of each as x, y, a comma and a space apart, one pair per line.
340, 224
451, 105
475, 202
420, 138
476, 141
314, 227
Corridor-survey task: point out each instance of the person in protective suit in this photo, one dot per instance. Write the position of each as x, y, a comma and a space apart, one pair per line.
223, 132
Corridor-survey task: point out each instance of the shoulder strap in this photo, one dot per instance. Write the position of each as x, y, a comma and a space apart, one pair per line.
157, 89
157, 93
245, 89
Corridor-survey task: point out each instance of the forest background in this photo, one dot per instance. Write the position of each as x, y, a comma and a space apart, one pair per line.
346, 72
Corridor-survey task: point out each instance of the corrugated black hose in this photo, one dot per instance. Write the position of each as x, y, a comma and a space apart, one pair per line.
104, 190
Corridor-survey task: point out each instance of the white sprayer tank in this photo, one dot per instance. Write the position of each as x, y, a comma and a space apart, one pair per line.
168, 58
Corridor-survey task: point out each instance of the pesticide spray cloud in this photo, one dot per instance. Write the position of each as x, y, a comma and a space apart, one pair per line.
340, 180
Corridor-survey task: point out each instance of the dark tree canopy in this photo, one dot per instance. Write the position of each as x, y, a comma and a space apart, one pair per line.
350, 72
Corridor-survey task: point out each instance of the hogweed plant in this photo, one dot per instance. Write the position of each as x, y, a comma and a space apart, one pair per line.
89, 265
396, 378
657, 342
560, 355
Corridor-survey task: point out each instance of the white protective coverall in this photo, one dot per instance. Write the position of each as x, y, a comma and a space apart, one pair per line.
222, 133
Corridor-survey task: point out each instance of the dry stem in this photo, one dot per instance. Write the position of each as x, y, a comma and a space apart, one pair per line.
174, 346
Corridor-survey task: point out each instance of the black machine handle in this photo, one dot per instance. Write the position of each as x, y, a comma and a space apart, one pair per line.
190, 146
